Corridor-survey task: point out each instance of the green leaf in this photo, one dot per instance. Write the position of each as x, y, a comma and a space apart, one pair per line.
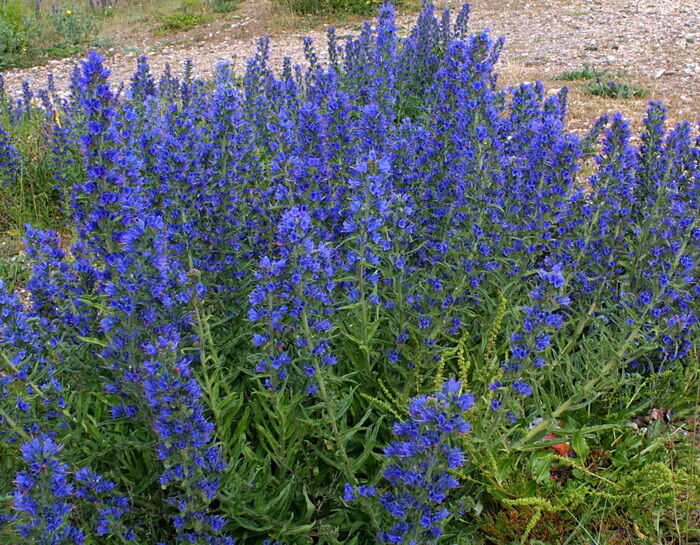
580, 445
541, 468
93, 340
504, 469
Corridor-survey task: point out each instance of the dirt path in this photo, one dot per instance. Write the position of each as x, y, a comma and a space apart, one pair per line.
655, 43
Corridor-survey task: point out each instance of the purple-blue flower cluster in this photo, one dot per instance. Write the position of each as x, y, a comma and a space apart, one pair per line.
329, 234
46, 497
42, 496
421, 466
10, 160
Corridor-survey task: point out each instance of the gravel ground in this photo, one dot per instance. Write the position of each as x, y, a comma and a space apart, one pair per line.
654, 43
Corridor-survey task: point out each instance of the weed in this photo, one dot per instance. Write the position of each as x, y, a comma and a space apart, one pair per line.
613, 89
14, 36
15, 267
585, 73
175, 22
224, 6
32, 196
60, 31
188, 15
311, 7
305, 7
103, 43
73, 24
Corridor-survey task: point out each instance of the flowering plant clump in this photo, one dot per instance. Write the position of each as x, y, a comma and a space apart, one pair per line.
420, 465
9, 159
259, 277
41, 493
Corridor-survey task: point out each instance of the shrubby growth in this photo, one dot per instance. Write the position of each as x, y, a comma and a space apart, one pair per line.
315, 7
272, 274
34, 32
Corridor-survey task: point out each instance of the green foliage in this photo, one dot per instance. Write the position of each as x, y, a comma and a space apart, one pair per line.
103, 43
14, 41
289, 457
11, 13
639, 483
585, 73
305, 7
15, 267
224, 6
12, 44
596, 85
175, 22
73, 24
311, 7
33, 196
62, 51
360, 7
61, 31
613, 89
188, 15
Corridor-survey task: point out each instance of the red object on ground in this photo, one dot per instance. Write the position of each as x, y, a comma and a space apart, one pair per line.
562, 449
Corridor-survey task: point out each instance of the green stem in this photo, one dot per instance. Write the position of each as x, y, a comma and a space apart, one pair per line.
14, 425
39, 392
329, 410
204, 334
592, 383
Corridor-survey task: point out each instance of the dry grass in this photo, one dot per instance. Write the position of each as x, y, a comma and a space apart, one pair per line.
585, 108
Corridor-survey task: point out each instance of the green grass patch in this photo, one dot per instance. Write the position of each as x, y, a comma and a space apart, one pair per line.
315, 7
62, 51
584, 74
31, 35
179, 21
32, 197
15, 267
224, 6
613, 89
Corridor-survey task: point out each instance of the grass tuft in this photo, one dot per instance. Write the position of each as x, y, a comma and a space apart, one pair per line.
584, 74
179, 21
613, 89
